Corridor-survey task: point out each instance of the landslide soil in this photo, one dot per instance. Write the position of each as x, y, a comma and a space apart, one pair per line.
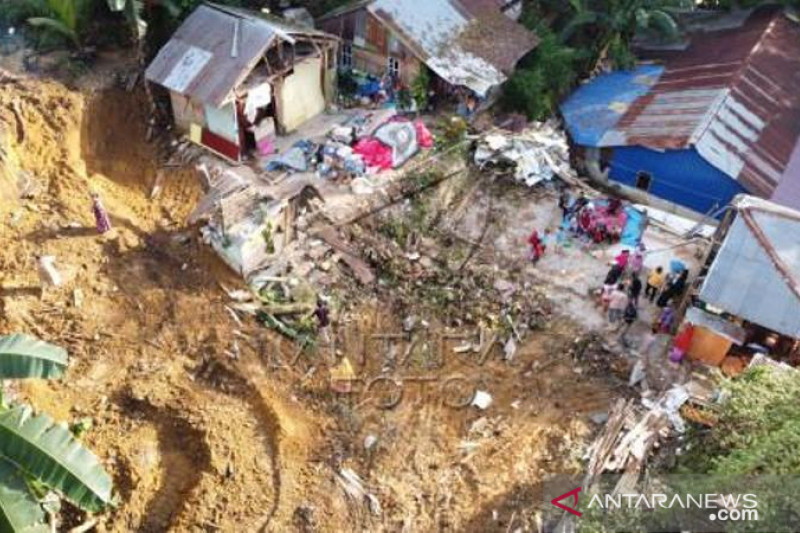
197, 440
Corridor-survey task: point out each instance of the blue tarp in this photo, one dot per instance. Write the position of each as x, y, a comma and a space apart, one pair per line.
634, 227
597, 106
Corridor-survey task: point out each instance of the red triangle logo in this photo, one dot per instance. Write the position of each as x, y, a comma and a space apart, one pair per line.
574, 493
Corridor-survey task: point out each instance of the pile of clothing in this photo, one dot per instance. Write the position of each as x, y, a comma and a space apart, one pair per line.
344, 155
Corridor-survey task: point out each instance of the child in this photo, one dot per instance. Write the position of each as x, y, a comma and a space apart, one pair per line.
537, 248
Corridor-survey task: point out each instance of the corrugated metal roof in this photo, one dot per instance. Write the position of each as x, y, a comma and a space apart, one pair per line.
476, 52
725, 328
756, 273
198, 61
596, 107
788, 191
734, 95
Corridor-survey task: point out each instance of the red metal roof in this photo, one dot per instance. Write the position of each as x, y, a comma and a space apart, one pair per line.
734, 95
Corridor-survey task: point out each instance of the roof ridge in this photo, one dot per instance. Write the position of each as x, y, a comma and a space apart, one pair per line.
762, 239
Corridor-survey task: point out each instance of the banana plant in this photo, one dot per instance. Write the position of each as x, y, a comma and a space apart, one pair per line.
67, 18
36, 450
134, 9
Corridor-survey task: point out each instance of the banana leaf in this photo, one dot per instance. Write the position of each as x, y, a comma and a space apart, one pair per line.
50, 454
22, 356
19, 511
56, 26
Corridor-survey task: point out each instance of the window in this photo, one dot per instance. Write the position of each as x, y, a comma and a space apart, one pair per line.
393, 66
644, 180
346, 56
360, 32
394, 44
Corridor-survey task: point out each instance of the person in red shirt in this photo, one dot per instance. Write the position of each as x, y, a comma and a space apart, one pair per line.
537, 247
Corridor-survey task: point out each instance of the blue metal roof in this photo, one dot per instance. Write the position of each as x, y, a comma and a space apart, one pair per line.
597, 106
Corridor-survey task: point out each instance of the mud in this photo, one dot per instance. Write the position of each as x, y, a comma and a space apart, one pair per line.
198, 441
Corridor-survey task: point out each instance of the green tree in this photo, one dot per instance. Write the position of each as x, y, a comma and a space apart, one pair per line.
37, 452
612, 25
758, 423
65, 18
542, 79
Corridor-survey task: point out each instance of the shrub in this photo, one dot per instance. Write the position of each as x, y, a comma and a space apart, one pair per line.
542, 79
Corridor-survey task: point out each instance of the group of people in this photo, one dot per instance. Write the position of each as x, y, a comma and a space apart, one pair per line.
593, 221
622, 292
581, 217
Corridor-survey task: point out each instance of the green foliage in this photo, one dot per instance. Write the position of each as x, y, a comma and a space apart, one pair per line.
542, 80
347, 83
620, 53
453, 129
758, 431
22, 356
64, 18
269, 238
420, 88
48, 452
17, 13
19, 511
35, 451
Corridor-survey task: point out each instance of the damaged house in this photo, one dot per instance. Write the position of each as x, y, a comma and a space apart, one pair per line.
468, 44
695, 127
748, 301
237, 78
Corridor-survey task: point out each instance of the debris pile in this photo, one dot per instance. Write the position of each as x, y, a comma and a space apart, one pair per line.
352, 149
539, 153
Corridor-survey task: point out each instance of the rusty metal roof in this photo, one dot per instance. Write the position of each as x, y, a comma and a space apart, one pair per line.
734, 95
756, 273
201, 61
475, 48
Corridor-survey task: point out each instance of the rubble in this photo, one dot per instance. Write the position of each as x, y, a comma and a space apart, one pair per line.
538, 153
482, 400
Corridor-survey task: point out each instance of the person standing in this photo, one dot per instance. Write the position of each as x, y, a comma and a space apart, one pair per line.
102, 221
654, 283
623, 258
537, 247
665, 320
613, 275
564, 203
617, 303
628, 317
635, 289
637, 260
674, 289
323, 315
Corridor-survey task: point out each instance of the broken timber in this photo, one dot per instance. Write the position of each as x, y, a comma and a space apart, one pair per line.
361, 269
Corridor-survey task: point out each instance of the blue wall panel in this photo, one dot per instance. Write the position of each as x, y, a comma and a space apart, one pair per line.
679, 176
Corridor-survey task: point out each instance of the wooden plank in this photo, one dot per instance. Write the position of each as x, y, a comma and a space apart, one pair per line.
361, 269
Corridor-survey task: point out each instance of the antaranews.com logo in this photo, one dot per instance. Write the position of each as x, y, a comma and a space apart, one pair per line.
722, 507
701, 504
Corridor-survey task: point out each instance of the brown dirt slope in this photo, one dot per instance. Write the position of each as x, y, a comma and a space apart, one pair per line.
197, 441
